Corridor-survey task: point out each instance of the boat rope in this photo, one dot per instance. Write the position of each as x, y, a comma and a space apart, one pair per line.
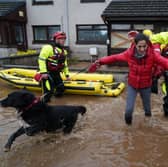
82, 70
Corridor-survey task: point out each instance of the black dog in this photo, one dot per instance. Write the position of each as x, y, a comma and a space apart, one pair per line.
38, 116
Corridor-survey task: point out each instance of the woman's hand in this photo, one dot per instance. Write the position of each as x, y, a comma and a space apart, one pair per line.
94, 66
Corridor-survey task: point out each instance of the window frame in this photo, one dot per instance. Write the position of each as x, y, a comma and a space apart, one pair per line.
92, 1
47, 2
89, 42
1, 38
47, 33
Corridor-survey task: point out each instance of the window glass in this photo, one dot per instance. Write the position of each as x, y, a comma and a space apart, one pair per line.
40, 33
163, 28
44, 33
19, 34
119, 39
143, 26
0, 38
120, 26
52, 30
92, 34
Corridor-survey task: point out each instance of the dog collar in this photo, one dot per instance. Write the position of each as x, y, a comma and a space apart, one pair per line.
35, 101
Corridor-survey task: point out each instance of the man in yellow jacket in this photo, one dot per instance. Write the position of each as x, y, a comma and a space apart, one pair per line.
53, 60
159, 40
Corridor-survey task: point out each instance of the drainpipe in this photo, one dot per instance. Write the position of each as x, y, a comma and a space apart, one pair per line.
67, 19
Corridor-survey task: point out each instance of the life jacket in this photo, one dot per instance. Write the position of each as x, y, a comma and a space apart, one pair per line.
57, 61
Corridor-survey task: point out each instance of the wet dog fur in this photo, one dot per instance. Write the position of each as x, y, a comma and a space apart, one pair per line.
38, 116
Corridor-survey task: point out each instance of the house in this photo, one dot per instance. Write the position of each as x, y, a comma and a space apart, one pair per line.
122, 16
80, 19
13, 21
100, 25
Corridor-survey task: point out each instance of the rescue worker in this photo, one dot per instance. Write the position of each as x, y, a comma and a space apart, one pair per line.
160, 43
159, 40
141, 58
53, 60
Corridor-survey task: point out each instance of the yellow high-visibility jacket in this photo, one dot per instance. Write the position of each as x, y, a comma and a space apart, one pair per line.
47, 52
160, 38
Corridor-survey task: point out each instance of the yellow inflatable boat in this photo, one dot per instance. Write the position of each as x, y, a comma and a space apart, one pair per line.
72, 87
106, 78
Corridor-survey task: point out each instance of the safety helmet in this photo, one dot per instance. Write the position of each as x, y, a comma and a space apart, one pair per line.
147, 32
59, 35
132, 34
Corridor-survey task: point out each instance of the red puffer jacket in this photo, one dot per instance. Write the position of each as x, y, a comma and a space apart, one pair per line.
140, 70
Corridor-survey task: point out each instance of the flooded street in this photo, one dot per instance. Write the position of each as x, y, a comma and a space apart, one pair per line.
100, 138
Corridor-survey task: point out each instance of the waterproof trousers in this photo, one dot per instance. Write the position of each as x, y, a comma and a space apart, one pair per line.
53, 86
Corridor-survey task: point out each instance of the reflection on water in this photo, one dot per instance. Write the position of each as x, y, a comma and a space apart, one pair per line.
100, 139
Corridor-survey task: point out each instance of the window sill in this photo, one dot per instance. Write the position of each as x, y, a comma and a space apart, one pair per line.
90, 43
41, 42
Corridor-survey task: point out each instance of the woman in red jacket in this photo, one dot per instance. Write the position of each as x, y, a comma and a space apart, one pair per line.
141, 59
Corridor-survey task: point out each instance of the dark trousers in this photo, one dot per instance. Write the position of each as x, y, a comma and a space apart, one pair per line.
53, 85
166, 80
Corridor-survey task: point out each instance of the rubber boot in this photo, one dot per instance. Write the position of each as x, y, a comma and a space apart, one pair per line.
128, 118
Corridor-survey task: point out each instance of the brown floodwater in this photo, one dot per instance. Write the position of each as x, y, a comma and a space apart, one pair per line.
100, 138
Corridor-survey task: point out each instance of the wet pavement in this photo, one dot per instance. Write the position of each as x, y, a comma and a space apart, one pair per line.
100, 138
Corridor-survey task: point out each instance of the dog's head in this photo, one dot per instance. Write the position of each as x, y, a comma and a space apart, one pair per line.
17, 99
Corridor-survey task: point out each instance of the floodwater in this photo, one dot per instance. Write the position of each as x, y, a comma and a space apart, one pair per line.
100, 138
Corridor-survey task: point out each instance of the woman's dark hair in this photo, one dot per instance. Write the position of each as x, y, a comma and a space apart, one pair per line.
140, 37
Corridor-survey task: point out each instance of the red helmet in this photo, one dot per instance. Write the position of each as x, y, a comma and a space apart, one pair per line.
59, 35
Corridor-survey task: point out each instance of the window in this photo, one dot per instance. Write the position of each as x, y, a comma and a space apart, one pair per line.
119, 36
86, 1
42, 2
163, 28
0, 38
141, 27
120, 26
19, 34
91, 34
43, 34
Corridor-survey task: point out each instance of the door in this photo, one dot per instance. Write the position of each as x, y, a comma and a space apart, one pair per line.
20, 37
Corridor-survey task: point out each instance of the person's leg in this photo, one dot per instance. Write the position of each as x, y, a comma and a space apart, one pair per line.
58, 84
131, 96
165, 99
166, 80
146, 100
47, 89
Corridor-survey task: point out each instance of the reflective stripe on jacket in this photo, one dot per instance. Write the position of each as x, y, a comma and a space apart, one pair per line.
140, 70
47, 54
